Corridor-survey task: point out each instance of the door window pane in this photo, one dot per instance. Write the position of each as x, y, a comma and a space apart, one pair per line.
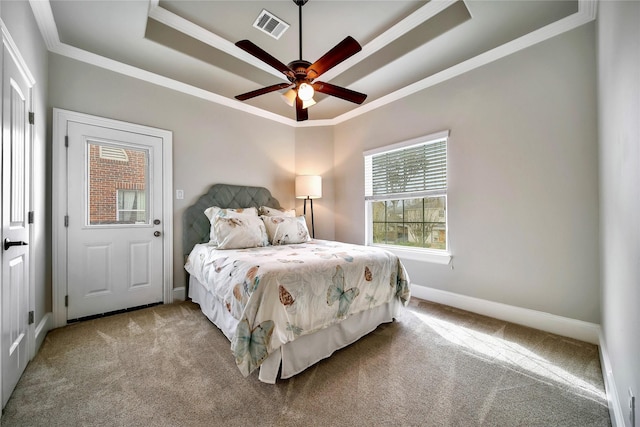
118, 183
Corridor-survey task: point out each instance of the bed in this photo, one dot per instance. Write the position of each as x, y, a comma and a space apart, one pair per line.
284, 301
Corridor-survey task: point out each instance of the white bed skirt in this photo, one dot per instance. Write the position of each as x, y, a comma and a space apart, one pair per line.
305, 351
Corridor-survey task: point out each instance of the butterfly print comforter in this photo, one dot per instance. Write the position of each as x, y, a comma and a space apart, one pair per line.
278, 293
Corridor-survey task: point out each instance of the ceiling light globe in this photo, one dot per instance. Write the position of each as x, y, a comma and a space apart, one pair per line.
305, 92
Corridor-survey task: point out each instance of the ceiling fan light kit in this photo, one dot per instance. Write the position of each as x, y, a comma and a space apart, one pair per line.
305, 91
301, 74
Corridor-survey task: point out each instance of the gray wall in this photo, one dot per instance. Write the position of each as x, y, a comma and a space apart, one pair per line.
619, 135
18, 18
211, 144
523, 181
314, 156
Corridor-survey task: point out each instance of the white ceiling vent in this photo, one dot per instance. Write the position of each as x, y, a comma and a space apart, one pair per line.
270, 24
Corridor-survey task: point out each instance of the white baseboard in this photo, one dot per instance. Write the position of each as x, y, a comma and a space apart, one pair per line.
179, 293
44, 326
577, 329
615, 409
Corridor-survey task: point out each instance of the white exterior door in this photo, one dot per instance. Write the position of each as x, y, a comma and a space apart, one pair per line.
115, 220
16, 141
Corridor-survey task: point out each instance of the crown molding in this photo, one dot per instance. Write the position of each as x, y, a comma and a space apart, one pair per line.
149, 77
44, 18
587, 11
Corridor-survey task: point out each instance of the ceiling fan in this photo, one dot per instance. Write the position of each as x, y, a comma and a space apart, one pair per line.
301, 73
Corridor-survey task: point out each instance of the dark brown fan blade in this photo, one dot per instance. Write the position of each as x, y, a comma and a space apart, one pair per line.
340, 92
262, 91
254, 50
343, 50
301, 113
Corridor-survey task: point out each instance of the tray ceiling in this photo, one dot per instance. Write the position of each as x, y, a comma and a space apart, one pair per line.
407, 45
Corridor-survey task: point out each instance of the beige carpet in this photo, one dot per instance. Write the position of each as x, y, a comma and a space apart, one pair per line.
435, 366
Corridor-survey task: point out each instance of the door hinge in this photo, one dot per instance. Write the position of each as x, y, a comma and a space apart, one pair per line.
66, 300
66, 220
31, 317
30, 217
32, 118
66, 141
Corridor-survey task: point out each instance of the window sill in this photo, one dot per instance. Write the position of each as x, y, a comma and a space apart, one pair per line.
424, 255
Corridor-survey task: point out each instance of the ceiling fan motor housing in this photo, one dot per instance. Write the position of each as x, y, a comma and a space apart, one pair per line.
299, 68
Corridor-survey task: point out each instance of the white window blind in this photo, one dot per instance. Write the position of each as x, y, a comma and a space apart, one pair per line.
412, 170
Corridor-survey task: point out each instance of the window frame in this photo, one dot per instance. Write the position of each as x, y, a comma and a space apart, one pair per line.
438, 256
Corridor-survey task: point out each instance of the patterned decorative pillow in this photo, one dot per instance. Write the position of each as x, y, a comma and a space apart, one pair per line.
239, 231
284, 230
213, 212
267, 211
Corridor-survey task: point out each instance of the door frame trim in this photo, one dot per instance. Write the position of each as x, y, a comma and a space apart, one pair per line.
59, 203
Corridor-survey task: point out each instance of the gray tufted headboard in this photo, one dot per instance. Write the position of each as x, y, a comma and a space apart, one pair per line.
195, 224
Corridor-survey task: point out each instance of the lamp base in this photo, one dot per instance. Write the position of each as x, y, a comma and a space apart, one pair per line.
313, 231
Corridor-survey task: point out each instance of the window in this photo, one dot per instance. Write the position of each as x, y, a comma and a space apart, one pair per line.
406, 193
117, 179
131, 206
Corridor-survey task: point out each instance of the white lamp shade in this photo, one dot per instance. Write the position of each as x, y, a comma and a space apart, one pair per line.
308, 186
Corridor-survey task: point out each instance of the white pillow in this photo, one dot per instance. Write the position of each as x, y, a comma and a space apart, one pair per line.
267, 211
284, 230
239, 231
215, 211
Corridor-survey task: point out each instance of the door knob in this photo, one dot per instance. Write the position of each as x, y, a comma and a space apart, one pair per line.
8, 243
156, 233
